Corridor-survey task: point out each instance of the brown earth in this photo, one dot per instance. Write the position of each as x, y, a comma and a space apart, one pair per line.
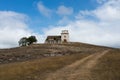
73, 61
39, 51
79, 70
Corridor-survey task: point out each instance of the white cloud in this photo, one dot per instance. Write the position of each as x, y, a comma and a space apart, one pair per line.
102, 27
83, 14
109, 11
65, 20
13, 26
44, 10
101, 1
63, 10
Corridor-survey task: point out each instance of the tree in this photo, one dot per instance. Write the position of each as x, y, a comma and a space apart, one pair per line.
23, 41
32, 39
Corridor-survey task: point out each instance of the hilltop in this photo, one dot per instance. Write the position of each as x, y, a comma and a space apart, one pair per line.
73, 61
45, 50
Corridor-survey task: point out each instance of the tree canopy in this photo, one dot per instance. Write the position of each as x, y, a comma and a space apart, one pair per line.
24, 41
32, 39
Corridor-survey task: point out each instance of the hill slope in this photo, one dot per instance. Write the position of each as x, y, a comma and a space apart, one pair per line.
44, 50
74, 61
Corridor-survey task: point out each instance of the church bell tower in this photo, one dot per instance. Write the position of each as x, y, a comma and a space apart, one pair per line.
65, 36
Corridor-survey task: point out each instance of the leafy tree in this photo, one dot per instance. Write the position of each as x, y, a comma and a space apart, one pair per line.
23, 41
32, 39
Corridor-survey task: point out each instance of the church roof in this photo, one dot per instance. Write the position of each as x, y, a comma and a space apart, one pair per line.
53, 37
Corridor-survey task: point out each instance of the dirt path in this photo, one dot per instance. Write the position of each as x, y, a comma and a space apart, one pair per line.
80, 70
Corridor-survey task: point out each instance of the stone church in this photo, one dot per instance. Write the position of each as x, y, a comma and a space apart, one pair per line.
63, 38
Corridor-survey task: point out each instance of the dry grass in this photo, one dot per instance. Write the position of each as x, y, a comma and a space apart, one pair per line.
33, 65
44, 50
108, 67
37, 69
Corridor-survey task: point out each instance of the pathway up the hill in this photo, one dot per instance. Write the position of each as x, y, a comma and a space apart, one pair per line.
80, 70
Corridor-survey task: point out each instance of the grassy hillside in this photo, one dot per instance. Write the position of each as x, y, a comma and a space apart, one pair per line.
39, 51
36, 69
108, 67
37, 61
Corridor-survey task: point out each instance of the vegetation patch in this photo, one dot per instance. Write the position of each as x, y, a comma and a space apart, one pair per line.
108, 67
36, 69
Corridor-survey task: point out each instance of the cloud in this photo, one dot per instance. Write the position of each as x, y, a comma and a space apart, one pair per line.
44, 10
65, 20
13, 26
99, 26
63, 10
84, 14
109, 11
101, 1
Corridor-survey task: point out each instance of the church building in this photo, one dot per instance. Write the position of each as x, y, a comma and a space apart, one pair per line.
63, 38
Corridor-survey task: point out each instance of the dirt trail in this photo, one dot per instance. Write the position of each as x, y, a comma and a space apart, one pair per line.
80, 70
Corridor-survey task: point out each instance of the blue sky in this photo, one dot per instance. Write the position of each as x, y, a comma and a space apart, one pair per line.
38, 20
89, 21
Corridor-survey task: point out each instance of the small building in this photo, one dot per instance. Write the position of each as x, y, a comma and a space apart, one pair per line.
63, 38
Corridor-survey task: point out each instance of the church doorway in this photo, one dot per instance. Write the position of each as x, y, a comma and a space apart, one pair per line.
65, 40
